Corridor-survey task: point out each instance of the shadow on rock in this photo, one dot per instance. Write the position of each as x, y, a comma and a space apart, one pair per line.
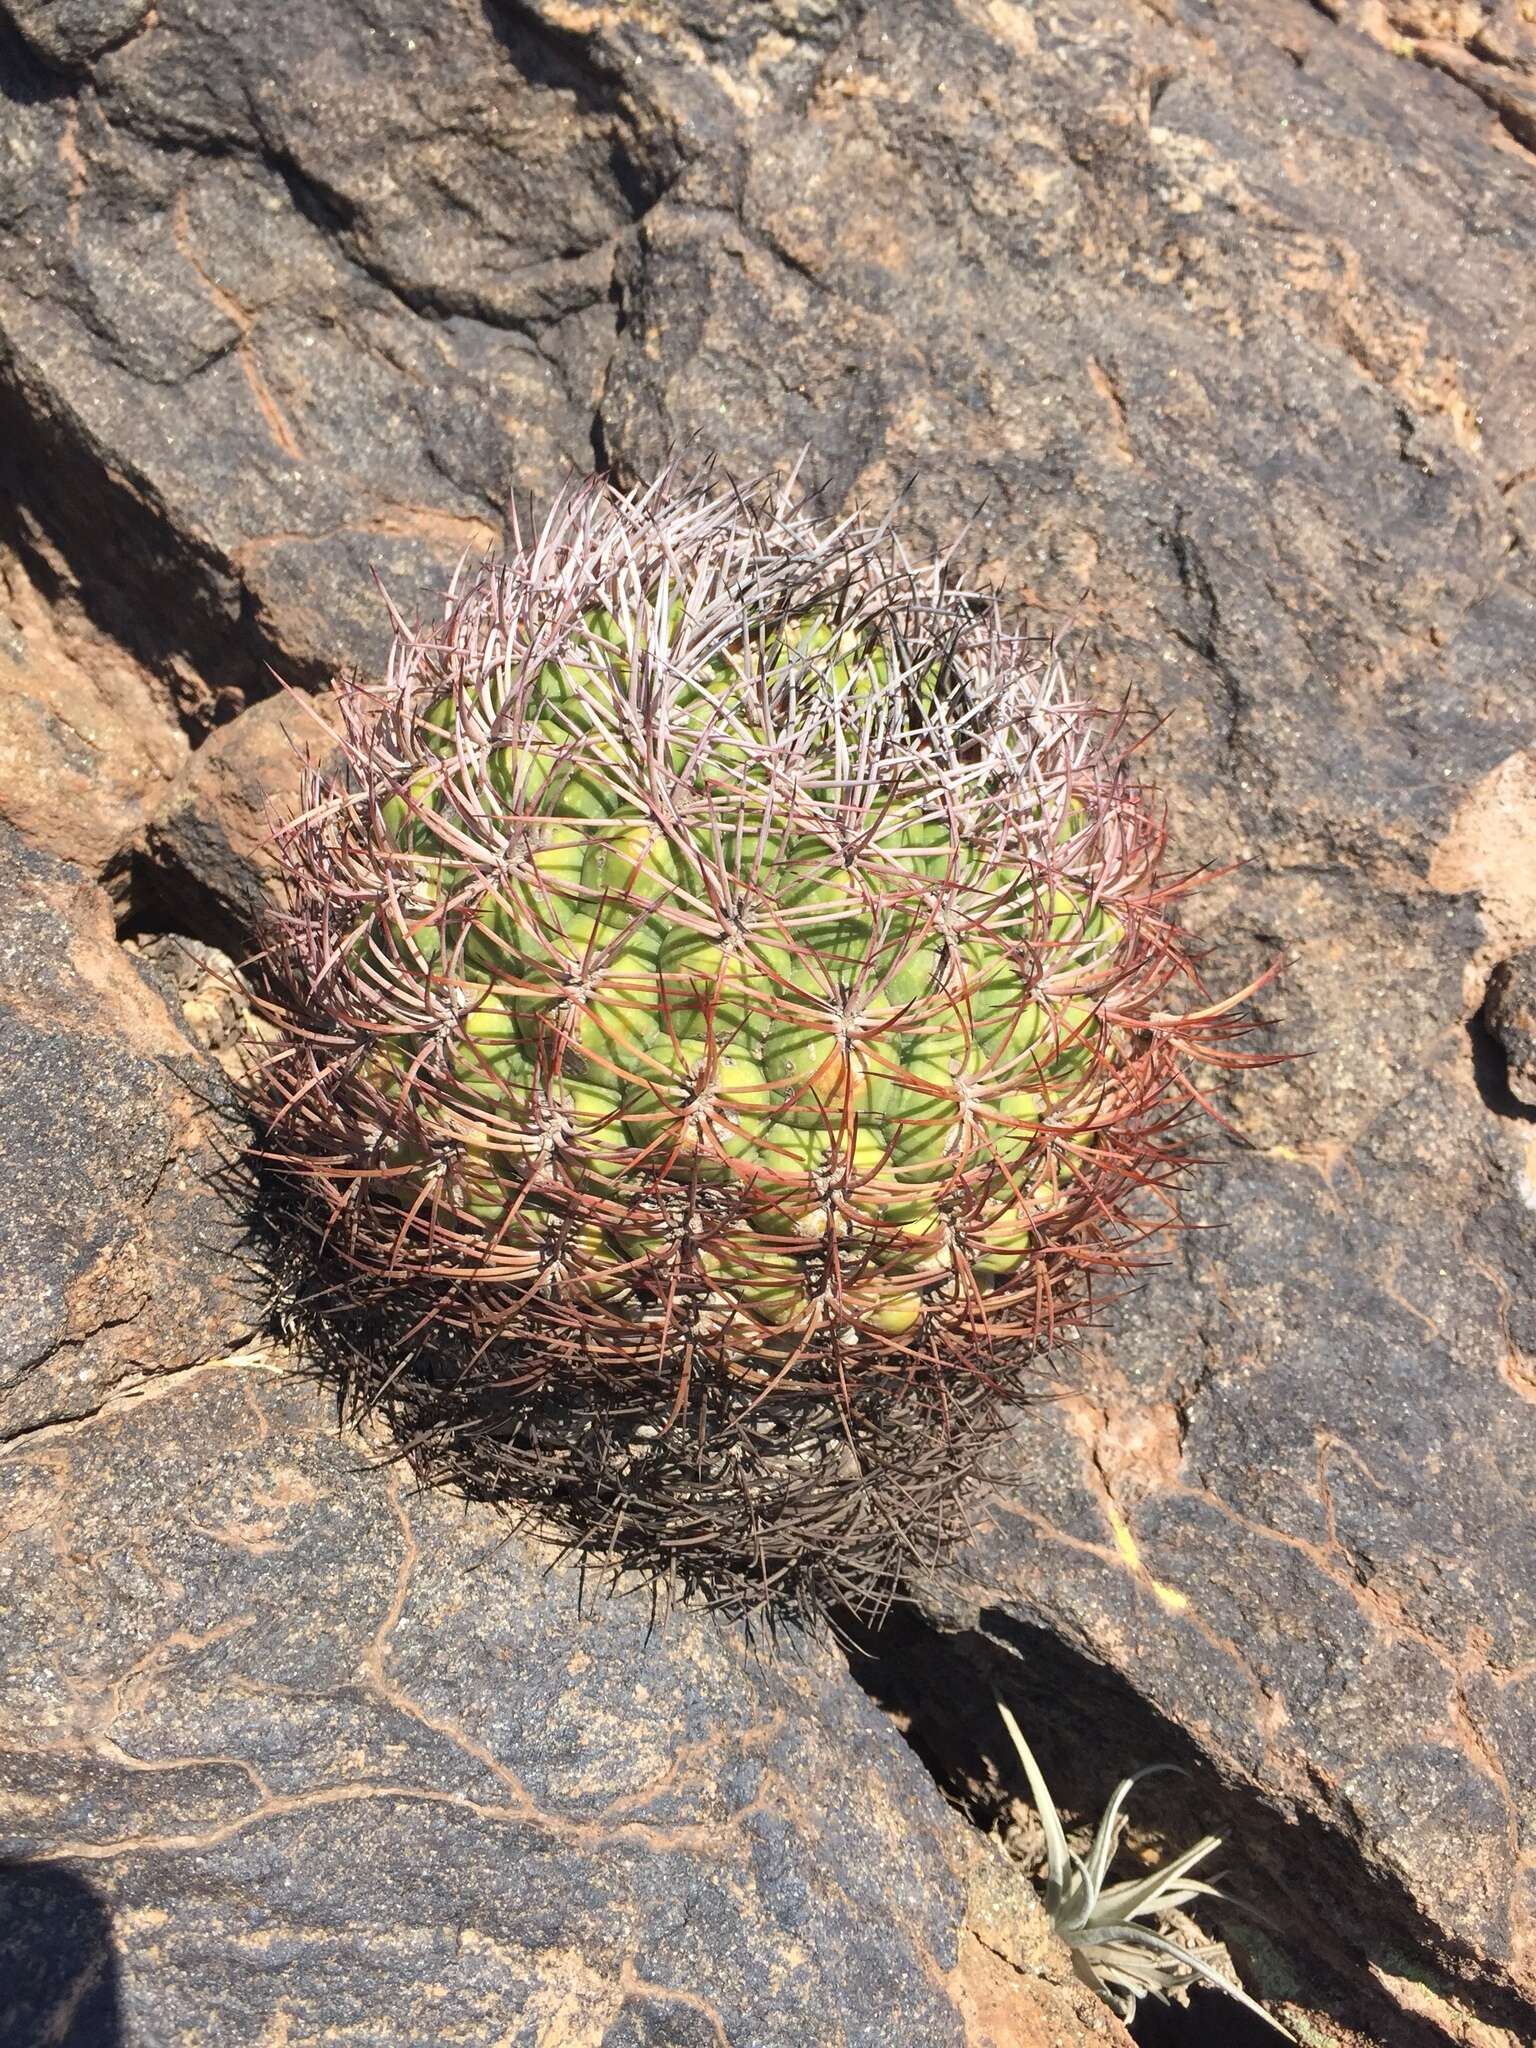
1284, 1926
58, 1968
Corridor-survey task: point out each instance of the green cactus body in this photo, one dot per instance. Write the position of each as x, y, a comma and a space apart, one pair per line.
771, 1037
726, 956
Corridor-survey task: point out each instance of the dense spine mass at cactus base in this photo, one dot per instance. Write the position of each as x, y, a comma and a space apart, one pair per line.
726, 954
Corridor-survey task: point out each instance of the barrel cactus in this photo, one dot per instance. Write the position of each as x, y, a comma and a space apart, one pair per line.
726, 1005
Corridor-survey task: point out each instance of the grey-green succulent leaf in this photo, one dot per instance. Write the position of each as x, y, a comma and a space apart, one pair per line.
1121, 1959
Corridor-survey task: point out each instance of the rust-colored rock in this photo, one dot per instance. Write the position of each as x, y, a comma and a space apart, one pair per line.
207, 862
88, 743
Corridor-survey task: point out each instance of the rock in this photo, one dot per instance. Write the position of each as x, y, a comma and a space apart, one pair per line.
205, 992
1490, 853
206, 849
286, 1746
277, 312
1149, 296
69, 33
88, 744
1510, 1013
1489, 49
1209, 329
1109, 192
124, 1210
1287, 1506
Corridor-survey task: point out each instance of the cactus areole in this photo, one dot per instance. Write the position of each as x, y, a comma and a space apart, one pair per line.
726, 997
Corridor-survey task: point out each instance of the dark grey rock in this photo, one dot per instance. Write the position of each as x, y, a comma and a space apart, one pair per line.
1510, 1014
286, 1752
124, 1227
315, 298
325, 1759
1213, 323
67, 34
1167, 306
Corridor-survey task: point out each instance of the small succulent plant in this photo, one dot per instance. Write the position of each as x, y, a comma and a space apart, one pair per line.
727, 1002
1113, 1951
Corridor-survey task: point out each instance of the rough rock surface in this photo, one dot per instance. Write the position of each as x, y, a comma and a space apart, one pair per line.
1510, 1016
1221, 317
88, 744
207, 842
315, 298
124, 1224
285, 1755
1215, 323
